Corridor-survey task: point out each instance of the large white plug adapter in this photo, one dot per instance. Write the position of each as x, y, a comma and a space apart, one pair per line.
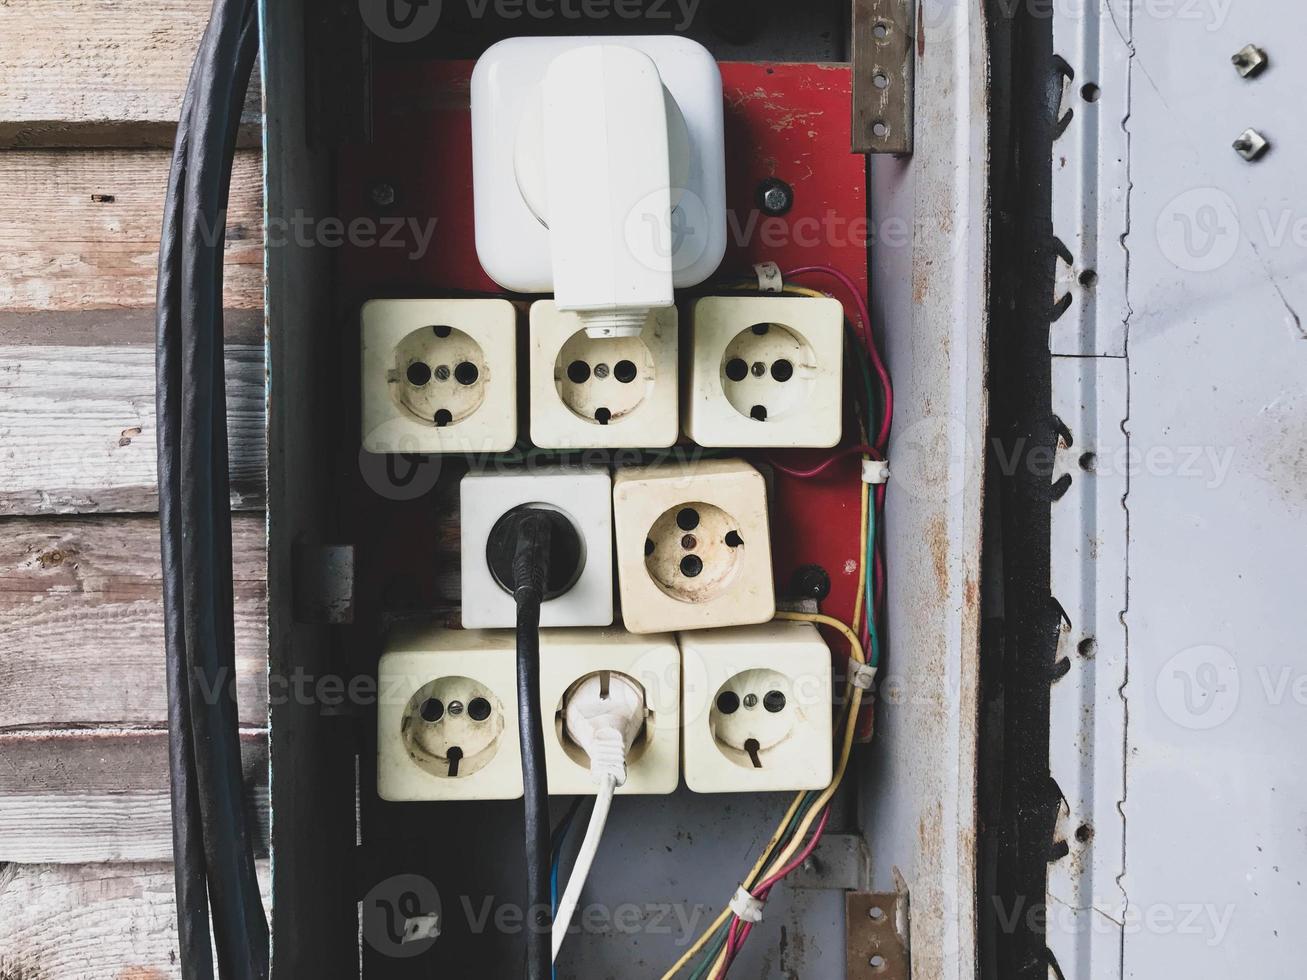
603, 716
599, 172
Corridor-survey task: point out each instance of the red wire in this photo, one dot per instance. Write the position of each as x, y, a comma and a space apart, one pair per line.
864, 313
828, 463
735, 937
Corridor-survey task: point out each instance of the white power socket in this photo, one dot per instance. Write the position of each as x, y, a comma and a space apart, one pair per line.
608, 392
766, 371
584, 497
693, 546
447, 716
653, 663
757, 708
439, 376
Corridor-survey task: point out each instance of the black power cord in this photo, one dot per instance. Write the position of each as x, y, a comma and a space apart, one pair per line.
213, 845
536, 554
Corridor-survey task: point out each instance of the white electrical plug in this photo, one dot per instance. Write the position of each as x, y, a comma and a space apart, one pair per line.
603, 715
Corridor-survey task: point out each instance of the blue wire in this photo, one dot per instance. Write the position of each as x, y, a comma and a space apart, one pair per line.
556, 855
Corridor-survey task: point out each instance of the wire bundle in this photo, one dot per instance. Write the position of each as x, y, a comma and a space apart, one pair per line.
791, 845
212, 841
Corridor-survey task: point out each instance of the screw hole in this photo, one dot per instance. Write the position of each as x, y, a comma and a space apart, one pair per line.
466, 373
442, 330
603, 416
1087, 647
782, 370
432, 710
443, 418
578, 372
1089, 278
691, 566
728, 702
1088, 461
1084, 833
733, 539
1090, 92
687, 519
418, 374
478, 709
758, 412
737, 369
624, 371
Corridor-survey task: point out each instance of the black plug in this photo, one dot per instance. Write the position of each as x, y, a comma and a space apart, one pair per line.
535, 546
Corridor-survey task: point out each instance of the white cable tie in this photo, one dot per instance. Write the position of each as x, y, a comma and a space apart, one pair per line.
421, 927
769, 277
875, 471
862, 676
746, 907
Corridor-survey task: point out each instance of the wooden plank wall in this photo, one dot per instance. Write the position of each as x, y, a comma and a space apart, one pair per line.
89, 92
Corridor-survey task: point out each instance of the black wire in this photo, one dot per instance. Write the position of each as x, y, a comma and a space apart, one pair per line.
195, 516
531, 572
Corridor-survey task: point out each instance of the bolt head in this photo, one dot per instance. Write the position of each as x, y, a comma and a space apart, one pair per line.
1249, 61
383, 194
455, 708
1251, 144
775, 197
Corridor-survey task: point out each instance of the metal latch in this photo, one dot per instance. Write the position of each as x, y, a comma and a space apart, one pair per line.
883, 33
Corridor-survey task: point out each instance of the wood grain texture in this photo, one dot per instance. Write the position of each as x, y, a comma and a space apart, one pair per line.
81, 600
79, 229
73, 797
77, 429
91, 922
99, 72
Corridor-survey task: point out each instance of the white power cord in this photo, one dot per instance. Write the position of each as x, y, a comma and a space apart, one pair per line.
603, 716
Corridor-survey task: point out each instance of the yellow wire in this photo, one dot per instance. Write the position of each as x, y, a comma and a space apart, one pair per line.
862, 572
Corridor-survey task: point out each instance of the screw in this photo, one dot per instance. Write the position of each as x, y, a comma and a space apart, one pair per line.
442, 373
751, 700
456, 708
774, 196
759, 369
1251, 144
383, 194
601, 370
1249, 61
811, 582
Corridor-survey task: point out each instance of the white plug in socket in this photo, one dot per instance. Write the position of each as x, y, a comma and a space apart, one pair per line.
439, 376
766, 371
608, 392
584, 497
447, 716
693, 546
757, 707
643, 668
599, 171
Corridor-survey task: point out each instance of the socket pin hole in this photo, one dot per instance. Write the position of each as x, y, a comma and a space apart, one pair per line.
760, 328
432, 710
478, 709
624, 371
466, 373
728, 702
782, 370
691, 566
578, 372
774, 701
737, 369
733, 539
603, 416
442, 331
648, 547
758, 413
687, 519
418, 374
443, 418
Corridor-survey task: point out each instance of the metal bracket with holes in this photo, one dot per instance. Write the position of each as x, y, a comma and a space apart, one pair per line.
883, 33
876, 927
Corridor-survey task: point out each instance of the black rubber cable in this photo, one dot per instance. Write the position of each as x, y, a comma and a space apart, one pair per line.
531, 572
195, 516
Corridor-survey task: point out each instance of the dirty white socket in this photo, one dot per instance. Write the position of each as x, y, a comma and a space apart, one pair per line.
757, 708
766, 371
447, 716
582, 495
439, 376
653, 664
607, 392
693, 547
